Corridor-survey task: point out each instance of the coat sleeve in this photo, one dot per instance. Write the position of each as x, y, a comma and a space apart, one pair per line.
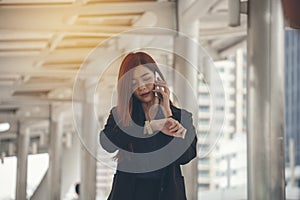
112, 137
190, 140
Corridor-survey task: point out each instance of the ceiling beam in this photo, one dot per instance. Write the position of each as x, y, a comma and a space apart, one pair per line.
43, 86
197, 9
232, 49
27, 100
210, 34
56, 18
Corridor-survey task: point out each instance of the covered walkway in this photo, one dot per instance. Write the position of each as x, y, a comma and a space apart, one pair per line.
59, 61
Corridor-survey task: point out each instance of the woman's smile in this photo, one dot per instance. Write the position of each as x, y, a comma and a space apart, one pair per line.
146, 94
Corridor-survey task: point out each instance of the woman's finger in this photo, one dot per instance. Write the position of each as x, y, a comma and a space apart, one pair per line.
180, 132
162, 84
160, 91
174, 123
183, 133
176, 128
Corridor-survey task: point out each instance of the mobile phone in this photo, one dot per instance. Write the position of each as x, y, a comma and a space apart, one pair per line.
157, 78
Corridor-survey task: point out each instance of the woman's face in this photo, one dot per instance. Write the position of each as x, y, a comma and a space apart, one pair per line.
143, 83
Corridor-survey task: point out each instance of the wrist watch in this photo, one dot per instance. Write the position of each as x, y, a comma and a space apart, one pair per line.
148, 128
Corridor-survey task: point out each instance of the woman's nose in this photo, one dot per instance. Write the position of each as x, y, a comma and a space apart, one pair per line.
141, 86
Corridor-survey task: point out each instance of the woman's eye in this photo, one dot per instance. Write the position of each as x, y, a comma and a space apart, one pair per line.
133, 85
147, 79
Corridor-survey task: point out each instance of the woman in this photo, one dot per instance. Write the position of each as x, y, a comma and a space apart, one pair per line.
152, 136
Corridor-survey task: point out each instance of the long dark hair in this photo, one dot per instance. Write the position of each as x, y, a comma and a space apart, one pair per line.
125, 90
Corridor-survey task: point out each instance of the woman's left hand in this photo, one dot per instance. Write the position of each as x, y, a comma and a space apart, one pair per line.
164, 92
169, 126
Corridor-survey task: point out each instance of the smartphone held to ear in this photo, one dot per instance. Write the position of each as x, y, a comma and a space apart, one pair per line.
158, 78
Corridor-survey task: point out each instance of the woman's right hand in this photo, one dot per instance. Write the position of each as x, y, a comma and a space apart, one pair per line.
168, 126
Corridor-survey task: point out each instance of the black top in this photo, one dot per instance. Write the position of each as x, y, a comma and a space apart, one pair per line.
125, 139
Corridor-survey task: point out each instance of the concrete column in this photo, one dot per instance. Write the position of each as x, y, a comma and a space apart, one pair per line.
266, 179
292, 162
22, 159
70, 165
239, 92
185, 63
88, 147
186, 101
55, 158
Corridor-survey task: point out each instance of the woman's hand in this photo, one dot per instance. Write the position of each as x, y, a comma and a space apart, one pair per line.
161, 87
168, 126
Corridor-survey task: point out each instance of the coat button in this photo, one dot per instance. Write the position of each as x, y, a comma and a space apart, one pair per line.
161, 189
